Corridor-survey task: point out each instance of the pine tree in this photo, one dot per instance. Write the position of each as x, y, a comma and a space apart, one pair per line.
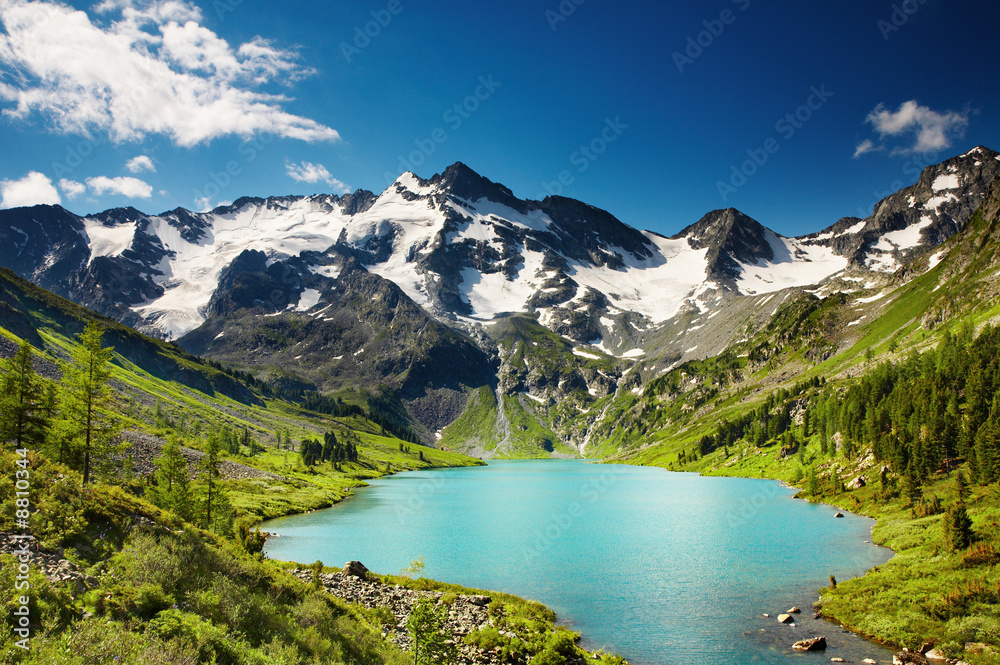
26, 404
961, 487
957, 528
914, 487
87, 398
172, 490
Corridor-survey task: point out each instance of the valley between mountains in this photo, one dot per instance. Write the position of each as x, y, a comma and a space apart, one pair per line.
318, 342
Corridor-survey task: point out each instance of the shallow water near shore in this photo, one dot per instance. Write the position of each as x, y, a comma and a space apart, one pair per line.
663, 568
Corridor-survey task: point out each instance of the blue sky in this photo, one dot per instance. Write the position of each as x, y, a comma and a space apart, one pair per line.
642, 108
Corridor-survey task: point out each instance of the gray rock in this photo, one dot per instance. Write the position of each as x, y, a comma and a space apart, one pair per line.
786, 618
356, 569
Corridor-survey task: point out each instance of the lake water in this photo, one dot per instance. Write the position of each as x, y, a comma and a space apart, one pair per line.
663, 568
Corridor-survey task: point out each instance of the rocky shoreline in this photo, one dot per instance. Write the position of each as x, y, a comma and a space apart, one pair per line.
466, 613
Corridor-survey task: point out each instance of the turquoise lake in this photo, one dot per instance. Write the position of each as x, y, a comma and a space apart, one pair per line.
663, 568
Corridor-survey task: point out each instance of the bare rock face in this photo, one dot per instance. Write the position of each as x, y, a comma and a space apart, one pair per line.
814, 644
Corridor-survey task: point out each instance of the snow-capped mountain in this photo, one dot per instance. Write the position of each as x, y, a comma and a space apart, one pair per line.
467, 250
412, 291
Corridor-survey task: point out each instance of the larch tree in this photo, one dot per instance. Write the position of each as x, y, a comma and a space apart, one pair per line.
87, 399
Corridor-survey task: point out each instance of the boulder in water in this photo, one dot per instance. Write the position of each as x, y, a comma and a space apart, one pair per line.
814, 644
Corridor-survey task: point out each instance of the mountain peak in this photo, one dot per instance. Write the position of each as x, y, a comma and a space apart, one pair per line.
731, 238
461, 181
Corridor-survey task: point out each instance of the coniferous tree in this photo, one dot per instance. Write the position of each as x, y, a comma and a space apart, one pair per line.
957, 528
172, 490
961, 487
89, 425
812, 482
216, 509
26, 403
914, 486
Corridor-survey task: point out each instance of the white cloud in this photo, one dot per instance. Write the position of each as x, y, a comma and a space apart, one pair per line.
33, 189
309, 172
130, 187
72, 188
865, 147
923, 128
143, 67
205, 204
140, 163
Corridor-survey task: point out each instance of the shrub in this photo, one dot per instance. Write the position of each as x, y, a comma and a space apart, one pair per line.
560, 646
980, 554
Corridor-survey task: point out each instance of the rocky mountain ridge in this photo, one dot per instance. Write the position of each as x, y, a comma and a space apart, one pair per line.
405, 289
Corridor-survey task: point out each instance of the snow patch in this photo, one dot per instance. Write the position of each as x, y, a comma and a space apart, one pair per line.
794, 264
584, 354
936, 202
108, 240
943, 182
333, 272
308, 300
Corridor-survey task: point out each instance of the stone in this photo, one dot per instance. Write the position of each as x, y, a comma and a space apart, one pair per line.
907, 657
793, 610
839, 515
936, 657
857, 483
356, 569
785, 618
870, 661
814, 644
837, 660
